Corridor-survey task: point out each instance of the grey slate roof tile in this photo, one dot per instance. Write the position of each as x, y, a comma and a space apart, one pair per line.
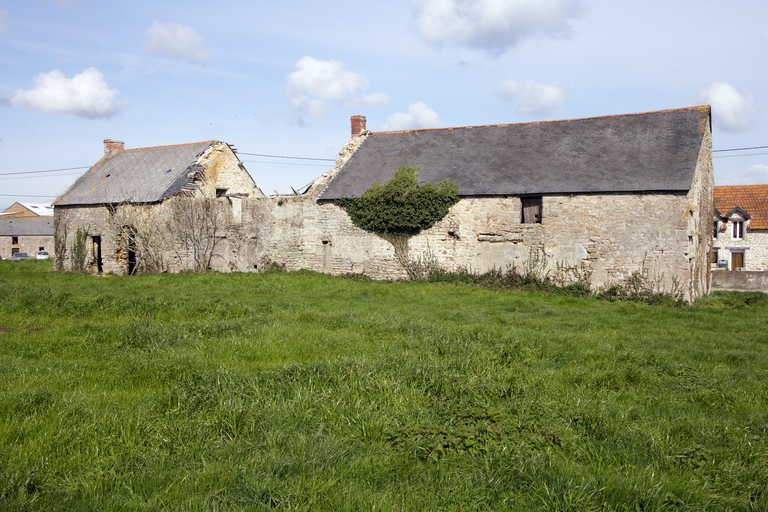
143, 175
654, 151
27, 226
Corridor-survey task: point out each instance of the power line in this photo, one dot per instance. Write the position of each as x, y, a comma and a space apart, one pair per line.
736, 156
39, 172
38, 177
17, 195
281, 163
290, 157
738, 149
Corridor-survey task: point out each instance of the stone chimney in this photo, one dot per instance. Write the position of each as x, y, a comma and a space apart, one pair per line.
113, 147
358, 125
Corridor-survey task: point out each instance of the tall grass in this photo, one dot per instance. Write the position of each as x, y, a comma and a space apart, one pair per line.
300, 391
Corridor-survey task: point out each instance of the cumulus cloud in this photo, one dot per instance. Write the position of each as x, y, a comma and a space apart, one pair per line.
317, 84
419, 115
176, 41
493, 25
4, 17
757, 173
731, 110
532, 98
85, 95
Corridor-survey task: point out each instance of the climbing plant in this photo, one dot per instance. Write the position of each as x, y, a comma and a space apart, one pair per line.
401, 208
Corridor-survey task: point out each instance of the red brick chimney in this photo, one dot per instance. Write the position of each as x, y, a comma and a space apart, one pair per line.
358, 125
113, 147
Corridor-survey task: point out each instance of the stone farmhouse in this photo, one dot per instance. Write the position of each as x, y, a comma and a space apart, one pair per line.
130, 207
740, 229
613, 196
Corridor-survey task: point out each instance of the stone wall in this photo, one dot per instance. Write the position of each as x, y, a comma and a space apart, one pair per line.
743, 280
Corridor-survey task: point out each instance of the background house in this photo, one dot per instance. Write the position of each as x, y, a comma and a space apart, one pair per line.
155, 208
27, 210
740, 228
26, 234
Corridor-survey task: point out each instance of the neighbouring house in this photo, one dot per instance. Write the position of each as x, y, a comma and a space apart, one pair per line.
153, 209
26, 234
27, 210
739, 254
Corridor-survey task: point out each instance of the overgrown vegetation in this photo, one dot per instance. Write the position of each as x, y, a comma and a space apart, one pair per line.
400, 209
304, 392
79, 249
574, 280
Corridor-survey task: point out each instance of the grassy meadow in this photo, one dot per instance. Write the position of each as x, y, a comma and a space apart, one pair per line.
299, 391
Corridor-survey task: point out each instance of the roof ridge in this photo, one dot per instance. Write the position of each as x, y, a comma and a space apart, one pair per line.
609, 116
172, 145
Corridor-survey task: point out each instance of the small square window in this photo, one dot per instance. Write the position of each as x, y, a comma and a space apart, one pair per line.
531, 210
221, 192
14, 240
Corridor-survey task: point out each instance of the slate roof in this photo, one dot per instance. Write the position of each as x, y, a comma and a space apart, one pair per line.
751, 198
143, 175
653, 151
27, 226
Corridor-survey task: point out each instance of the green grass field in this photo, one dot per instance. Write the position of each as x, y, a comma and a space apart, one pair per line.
298, 391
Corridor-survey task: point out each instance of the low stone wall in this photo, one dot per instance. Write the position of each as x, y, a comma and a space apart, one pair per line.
740, 280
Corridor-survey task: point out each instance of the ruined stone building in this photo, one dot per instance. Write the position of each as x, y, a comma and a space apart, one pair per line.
613, 196
740, 228
128, 212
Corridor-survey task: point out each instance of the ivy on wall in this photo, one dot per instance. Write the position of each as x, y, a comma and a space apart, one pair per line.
401, 208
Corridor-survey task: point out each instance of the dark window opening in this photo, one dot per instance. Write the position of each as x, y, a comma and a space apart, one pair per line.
41, 248
14, 240
531, 210
714, 231
97, 253
221, 192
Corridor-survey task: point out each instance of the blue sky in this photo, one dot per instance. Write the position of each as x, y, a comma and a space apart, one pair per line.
283, 78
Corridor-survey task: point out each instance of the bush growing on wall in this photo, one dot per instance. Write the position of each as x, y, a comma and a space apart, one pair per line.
401, 208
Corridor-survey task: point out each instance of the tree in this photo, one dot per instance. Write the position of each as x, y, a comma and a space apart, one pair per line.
401, 208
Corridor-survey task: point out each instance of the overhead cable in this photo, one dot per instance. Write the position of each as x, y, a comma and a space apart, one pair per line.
738, 149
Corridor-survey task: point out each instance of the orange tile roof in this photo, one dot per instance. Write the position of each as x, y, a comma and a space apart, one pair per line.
752, 198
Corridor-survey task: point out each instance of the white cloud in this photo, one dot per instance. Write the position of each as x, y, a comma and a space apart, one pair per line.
368, 101
532, 98
731, 110
419, 116
85, 95
754, 174
4, 17
176, 41
317, 83
493, 25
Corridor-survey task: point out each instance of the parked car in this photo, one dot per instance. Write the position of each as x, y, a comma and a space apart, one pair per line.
20, 256
41, 255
